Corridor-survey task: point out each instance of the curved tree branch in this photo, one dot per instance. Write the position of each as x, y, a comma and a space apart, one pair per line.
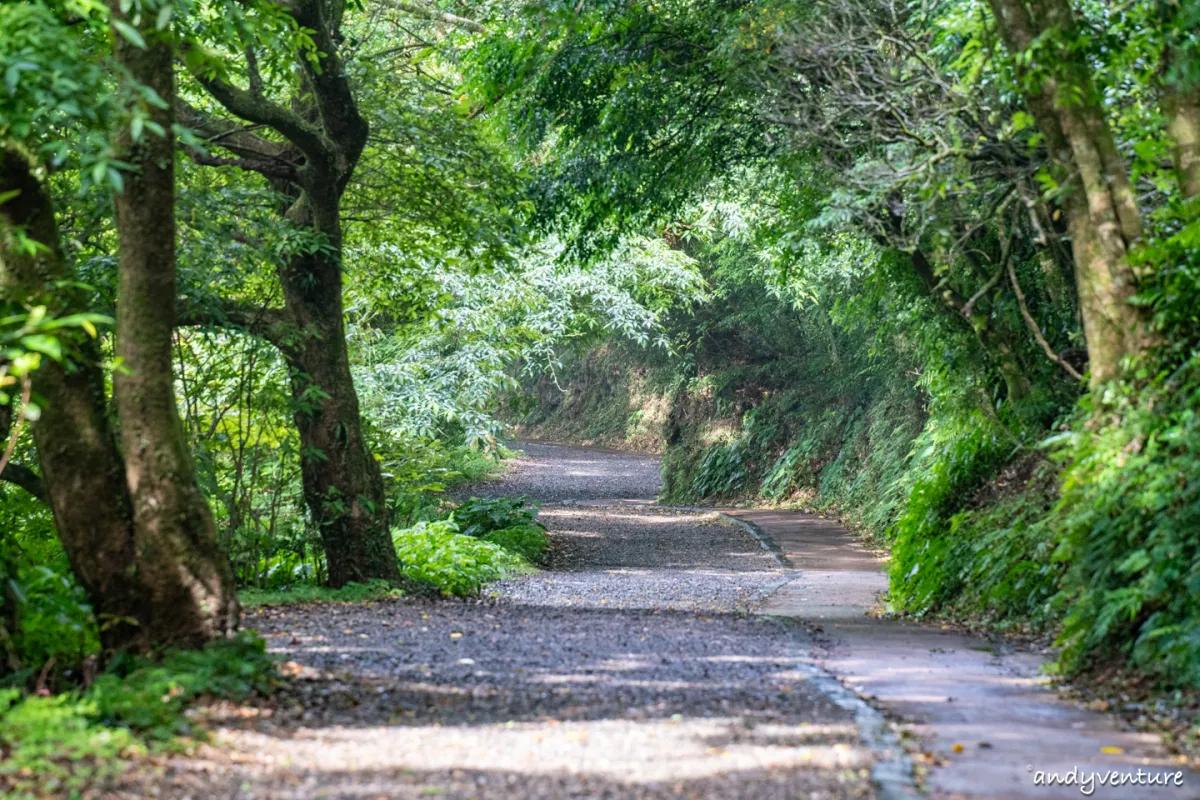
266, 322
1036, 330
27, 479
245, 104
425, 12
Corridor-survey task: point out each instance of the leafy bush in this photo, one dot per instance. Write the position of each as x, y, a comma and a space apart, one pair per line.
1130, 515
1005, 563
149, 696
950, 462
435, 553
43, 609
64, 743
527, 541
479, 516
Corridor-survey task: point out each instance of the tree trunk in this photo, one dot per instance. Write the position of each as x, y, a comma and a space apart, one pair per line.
82, 471
343, 486
186, 577
326, 133
1180, 93
1103, 218
1183, 126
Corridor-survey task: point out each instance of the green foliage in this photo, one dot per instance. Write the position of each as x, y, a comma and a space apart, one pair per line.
54, 745
309, 594
951, 461
53, 81
150, 696
612, 395
529, 541
44, 611
1130, 514
61, 744
477, 516
1003, 563
435, 553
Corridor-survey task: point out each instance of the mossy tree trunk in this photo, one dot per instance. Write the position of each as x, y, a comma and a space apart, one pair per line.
145, 592
325, 135
82, 472
1180, 92
1102, 212
343, 485
186, 578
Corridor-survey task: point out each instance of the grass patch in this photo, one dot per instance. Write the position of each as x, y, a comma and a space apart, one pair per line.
309, 594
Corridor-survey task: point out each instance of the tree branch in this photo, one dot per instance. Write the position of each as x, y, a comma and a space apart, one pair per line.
331, 91
242, 103
433, 14
1036, 330
270, 169
27, 479
229, 135
266, 322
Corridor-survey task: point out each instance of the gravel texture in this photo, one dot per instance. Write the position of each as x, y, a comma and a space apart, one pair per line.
627, 669
556, 473
628, 557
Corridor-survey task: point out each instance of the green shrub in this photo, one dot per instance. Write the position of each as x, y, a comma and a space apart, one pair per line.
723, 472
951, 460
61, 744
437, 554
479, 516
149, 696
1130, 515
55, 746
527, 541
1003, 562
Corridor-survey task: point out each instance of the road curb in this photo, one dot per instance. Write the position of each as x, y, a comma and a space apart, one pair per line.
892, 771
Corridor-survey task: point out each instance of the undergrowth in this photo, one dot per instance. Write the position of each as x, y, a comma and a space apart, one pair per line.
1129, 519
435, 553
483, 540
309, 594
64, 744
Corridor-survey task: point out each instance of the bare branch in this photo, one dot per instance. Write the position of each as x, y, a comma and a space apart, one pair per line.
425, 12
1036, 330
270, 169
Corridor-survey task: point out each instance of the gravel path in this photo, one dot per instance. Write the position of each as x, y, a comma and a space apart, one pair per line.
555, 473
628, 669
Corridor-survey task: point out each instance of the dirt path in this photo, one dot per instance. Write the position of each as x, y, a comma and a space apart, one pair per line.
635, 666
661, 654
985, 697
